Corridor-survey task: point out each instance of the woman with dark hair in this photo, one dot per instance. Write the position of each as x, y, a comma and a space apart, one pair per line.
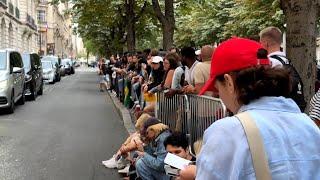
287, 139
170, 63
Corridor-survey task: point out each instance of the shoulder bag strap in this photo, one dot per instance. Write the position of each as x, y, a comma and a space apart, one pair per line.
258, 154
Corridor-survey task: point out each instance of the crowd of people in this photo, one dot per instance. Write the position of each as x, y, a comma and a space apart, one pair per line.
252, 78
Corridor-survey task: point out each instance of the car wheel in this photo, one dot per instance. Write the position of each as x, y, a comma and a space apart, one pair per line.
33, 93
40, 92
22, 100
12, 107
58, 78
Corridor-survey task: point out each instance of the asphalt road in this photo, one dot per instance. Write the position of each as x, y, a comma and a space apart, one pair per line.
63, 135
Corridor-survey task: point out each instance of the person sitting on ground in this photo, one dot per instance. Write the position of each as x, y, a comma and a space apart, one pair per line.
150, 165
246, 83
132, 143
177, 143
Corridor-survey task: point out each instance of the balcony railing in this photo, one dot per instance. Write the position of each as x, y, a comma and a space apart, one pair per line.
11, 9
17, 13
4, 2
31, 21
43, 1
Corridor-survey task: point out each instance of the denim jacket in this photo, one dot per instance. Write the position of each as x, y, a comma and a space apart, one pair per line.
291, 142
155, 159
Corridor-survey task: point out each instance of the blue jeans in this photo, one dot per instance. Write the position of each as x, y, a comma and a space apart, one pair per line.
147, 173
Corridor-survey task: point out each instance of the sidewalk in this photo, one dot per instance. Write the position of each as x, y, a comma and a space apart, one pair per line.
123, 112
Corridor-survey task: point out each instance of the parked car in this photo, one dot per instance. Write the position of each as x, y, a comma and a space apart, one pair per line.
12, 86
33, 75
56, 62
92, 64
68, 65
73, 66
48, 70
62, 70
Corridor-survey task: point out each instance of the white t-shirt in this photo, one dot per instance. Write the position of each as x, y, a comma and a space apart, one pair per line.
276, 62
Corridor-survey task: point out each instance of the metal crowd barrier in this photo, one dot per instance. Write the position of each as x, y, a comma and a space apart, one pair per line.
190, 114
173, 111
204, 111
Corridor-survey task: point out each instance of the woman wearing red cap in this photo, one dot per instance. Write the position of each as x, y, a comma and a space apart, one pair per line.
289, 140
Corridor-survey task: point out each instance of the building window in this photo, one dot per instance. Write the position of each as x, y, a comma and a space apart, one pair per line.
41, 16
42, 39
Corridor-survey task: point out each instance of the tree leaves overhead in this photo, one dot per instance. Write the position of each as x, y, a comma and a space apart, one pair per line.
197, 22
210, 21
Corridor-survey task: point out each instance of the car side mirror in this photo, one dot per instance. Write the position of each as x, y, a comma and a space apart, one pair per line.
17, 70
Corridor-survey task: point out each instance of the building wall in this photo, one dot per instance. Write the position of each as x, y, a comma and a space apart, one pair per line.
16, 31
56, 29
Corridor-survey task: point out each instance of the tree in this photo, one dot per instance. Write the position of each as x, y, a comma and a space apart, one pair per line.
167, 21
301, 19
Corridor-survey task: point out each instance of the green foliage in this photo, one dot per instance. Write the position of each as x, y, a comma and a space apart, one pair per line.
198, 22
212, 21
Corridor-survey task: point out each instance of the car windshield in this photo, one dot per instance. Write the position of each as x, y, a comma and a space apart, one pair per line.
65, 61
46, 65
3, 62
52, 59
26, 61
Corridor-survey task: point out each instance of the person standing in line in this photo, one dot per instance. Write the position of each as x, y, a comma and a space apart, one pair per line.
102, 71
314, 111
246, 83
271, 40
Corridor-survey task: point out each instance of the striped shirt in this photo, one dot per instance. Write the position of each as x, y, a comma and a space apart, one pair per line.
314, 111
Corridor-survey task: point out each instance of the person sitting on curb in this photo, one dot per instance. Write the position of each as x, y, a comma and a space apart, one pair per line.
150, 165
133, 142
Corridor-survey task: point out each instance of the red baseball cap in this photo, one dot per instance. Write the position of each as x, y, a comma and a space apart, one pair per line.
233, 55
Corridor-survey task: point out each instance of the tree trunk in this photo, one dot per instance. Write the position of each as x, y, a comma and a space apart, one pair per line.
167, 20
301, 18
168, 32
131, 33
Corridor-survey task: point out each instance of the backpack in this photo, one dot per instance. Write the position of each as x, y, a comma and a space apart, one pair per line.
183, 77
297, 93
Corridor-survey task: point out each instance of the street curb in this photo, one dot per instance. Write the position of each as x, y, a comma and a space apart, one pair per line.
123, 112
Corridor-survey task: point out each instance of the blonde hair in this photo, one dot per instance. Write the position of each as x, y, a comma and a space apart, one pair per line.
157, 128
140, 121
272, 34
197, 146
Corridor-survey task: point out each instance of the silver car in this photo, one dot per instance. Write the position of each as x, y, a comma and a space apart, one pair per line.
12, 80
48, 71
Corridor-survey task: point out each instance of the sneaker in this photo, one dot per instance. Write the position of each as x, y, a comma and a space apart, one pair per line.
111, 163
124, 170
122, 163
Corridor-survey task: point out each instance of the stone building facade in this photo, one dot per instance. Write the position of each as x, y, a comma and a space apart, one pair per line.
55, 31
18, 28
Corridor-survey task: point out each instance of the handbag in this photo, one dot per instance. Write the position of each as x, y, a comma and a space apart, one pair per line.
258, 154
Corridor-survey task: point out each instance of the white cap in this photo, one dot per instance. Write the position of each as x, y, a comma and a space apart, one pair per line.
157, 59
198, 52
